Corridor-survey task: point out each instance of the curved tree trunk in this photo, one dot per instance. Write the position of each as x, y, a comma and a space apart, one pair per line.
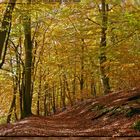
5, 30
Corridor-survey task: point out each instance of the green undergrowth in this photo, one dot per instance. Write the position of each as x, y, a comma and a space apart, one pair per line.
132, 111
97, 107
136, 125
3, 119
126, 110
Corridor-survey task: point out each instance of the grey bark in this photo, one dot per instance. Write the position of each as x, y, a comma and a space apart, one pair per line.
103, 58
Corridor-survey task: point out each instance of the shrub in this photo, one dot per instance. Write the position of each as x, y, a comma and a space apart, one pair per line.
132, 112
136, 125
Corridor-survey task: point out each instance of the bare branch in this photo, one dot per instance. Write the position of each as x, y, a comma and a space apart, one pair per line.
93, 21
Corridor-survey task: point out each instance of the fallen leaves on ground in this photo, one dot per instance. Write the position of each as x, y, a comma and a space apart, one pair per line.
102, 116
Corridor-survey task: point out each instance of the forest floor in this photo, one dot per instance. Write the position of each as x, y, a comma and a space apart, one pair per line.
110, 115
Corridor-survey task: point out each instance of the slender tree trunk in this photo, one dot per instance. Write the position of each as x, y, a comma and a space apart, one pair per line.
53, 99
49, 103
68, 90
93, 87
45, 105
57, 98
61, 89
82, 71
63, 94
21, 78
21, 93
34, 69
39, 92
15, 88
45, 100
103, 58
38, 103
74, 82
74, 89
13, 104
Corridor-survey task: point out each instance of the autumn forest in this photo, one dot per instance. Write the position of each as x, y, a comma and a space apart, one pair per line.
54, 55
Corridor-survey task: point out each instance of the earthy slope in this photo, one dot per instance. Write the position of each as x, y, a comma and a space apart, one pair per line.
110, 115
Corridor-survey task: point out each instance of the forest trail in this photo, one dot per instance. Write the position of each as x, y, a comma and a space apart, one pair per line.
109, 115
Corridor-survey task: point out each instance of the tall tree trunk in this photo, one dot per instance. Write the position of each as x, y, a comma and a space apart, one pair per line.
82, 71
74, 89
21, 93
13, 104
74, 81
68, 90
53, 99
103, 58
21, 76
39, 92
63, 94
45, 100
15, 88
5, 30
28, 62
49, 102
93, 87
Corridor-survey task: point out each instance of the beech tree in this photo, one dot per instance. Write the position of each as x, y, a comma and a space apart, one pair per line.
64, 54
103, 59
27, 100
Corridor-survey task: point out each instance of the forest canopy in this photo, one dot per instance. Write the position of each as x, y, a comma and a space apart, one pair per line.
53, 55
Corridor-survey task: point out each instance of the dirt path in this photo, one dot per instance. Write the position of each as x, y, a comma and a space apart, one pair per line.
104, 116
